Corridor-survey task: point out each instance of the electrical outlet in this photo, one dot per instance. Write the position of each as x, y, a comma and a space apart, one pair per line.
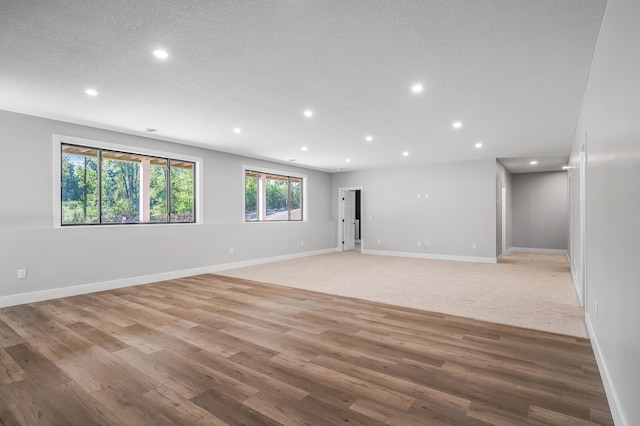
379, 242
426, 243
419, 195
473, 246
230, 251
419, 244
22, 274
426, 195
301, 242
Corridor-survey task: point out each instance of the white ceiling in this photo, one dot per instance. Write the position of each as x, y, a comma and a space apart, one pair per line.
513, 71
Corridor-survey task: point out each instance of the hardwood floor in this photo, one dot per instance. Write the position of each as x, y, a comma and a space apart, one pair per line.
218, 350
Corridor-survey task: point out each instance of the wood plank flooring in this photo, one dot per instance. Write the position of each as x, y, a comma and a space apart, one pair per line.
226, 351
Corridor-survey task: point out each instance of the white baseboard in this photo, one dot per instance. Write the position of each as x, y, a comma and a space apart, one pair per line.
262, 261
431, 256
55, 293
579, 291
612, 397
539, 250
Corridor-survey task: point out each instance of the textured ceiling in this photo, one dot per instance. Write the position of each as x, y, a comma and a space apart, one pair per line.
513, 71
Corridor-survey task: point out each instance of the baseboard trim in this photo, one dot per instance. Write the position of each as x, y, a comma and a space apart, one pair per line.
262, 261
578, 289
539, 250
431, 256
612, 397
55, 293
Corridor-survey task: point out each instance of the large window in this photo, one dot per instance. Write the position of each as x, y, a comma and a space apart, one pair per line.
272, 197
104, 186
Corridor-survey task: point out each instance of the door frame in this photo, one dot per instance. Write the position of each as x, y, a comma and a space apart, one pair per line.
503, 224
583, 221
341, 214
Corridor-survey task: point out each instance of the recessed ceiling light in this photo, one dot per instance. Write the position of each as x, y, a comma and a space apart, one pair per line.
456, 124
478, 144
237, 130
368, 138
405, 154
308, 113
160, 54
533, 163
304, 148
150, 130
91, 92
417, 88
348, 160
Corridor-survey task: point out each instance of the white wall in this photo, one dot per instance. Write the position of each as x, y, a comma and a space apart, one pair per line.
460, 208
540, 215
610, 118
57, 258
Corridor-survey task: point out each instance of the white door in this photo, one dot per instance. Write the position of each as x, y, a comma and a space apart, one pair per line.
349, 221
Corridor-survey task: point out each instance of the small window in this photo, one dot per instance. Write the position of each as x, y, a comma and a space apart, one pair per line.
104, 186
272, 197
80, 185
182, 193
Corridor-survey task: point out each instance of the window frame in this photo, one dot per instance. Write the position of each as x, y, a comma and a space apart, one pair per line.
59, 140
263, 170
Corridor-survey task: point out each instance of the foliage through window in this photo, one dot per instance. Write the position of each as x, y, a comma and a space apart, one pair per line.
101, 186
272, 197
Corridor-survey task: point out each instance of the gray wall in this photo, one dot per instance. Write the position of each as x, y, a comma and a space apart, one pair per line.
503, 178
610, 120
459, 211
62, 257
540, 216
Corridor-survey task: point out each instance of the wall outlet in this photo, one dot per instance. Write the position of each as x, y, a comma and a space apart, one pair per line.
473, 246
419, 195
426, 243
379, 242
230, 251
22, 274
301, 242
419, 244
426, 195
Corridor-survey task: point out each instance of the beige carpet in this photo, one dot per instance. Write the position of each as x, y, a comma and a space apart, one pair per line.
529, 290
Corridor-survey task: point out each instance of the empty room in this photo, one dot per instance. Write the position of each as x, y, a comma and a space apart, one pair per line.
320, 212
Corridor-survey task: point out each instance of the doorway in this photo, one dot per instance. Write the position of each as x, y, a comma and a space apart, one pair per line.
349, 223
583, 222
504, 220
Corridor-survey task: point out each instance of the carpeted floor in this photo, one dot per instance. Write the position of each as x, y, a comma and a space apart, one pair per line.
529, 290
